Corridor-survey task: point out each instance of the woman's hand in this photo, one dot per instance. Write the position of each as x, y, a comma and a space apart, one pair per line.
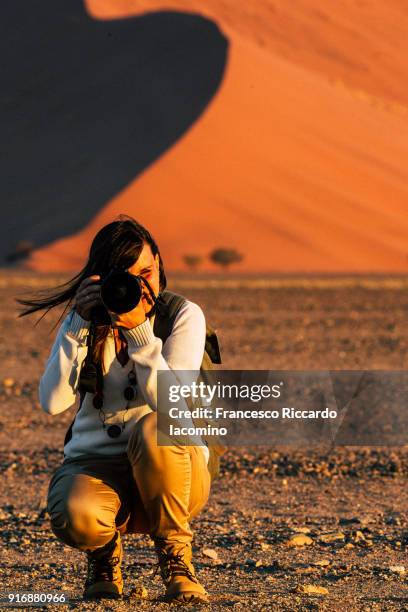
87, 296
134, 317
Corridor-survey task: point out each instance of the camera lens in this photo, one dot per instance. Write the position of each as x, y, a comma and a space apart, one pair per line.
121, 291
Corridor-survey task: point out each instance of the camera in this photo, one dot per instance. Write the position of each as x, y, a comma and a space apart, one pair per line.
121, 291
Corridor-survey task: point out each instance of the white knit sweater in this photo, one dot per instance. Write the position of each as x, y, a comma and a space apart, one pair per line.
183, 350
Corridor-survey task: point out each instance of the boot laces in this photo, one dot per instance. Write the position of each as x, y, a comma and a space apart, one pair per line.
173, 564
102, 568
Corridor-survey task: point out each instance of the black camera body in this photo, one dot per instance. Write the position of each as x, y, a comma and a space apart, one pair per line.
121, 291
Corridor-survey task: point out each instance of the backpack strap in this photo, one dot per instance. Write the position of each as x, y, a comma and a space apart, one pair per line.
212, 348
164, 319
163, 325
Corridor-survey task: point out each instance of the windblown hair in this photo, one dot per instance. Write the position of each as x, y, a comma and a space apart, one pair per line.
117, 244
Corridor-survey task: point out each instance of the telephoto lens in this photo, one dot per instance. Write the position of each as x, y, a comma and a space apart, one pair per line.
121, 291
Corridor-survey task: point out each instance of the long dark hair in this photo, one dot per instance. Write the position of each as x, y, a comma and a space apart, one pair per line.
116, 244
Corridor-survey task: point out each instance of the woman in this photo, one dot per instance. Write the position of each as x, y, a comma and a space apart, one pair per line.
115, 479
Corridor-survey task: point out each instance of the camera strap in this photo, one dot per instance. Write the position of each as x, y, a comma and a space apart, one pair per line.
159, 305
90, 376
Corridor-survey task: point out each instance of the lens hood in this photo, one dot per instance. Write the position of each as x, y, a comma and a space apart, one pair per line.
121, 291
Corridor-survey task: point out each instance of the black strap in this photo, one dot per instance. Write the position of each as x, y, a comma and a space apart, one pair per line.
165, 317
164, 321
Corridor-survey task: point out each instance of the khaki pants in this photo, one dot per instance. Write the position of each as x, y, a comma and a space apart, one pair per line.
149, 489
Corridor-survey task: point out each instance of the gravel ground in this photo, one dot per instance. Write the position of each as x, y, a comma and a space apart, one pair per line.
280, 521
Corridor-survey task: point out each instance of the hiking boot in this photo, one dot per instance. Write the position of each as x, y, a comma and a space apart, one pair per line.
104, 576
178, 574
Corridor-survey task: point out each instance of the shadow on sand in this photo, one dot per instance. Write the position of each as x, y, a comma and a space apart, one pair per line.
87, 105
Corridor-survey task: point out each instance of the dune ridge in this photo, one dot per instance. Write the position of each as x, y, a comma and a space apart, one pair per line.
300, 159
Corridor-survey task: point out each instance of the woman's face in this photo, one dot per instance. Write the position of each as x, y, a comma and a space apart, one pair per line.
147, 266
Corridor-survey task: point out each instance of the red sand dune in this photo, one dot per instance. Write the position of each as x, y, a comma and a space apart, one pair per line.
300, 161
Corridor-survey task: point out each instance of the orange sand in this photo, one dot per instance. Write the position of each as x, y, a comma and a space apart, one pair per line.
300, 161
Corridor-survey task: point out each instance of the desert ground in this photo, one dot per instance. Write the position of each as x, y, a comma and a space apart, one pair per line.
349, 506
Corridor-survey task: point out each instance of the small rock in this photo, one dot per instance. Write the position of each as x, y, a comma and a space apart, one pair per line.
300, 540
302, 530
250, 562
210, 552
359, 536
397, 569
311, 589
139, 592
349, 521
310, 569
322, 563
332, 537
